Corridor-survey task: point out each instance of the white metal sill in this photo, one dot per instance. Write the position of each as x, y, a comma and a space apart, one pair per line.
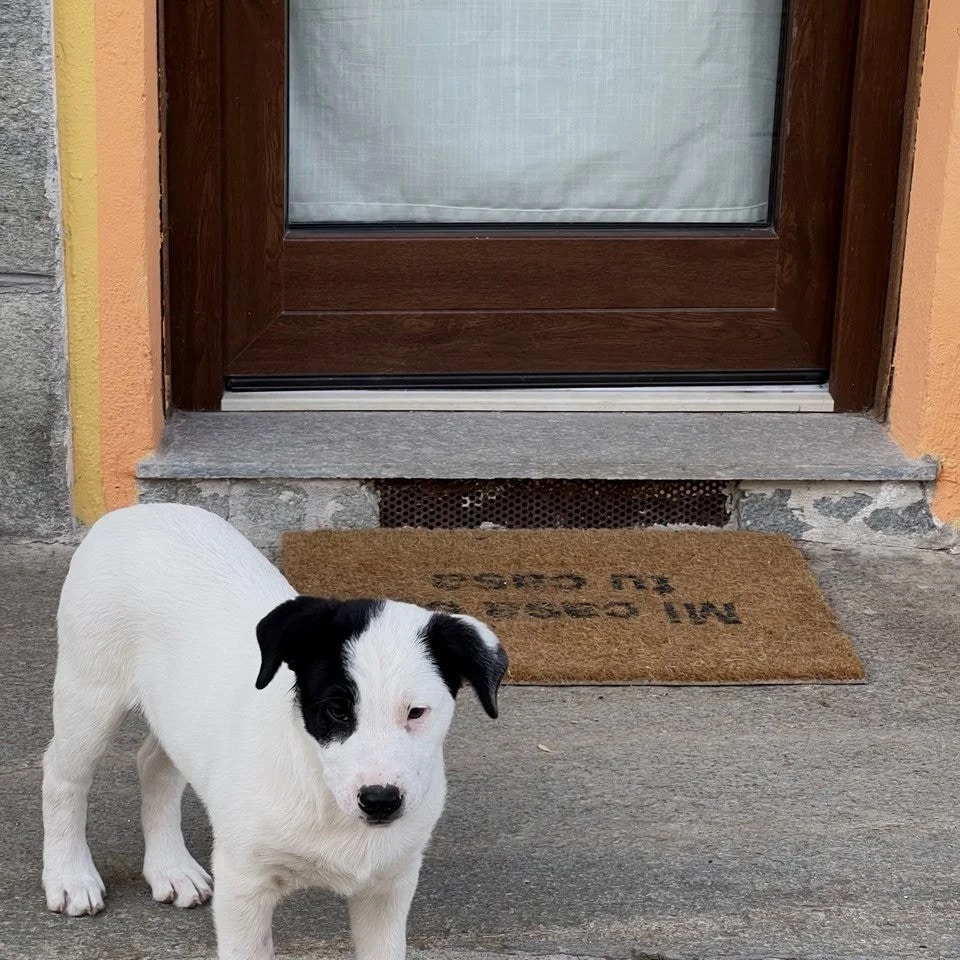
721, 399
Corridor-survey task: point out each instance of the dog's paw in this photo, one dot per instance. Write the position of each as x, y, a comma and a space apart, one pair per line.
182, 882
75, 892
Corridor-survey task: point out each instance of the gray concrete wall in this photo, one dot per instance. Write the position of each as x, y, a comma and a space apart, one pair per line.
34, 490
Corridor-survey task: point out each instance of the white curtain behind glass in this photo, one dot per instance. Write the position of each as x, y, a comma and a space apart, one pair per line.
637, 111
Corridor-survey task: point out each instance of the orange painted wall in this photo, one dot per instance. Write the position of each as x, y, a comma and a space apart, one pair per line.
128, 222
925, 400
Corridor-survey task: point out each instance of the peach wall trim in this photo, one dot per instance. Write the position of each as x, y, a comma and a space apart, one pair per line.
925, 399
128, 238
107, 103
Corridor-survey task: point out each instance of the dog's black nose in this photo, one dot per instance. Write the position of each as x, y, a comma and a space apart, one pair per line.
380, 802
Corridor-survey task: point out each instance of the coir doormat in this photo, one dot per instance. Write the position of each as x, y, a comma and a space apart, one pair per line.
602, 606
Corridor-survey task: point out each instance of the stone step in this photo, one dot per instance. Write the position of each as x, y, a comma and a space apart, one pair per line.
430, 444
821, 477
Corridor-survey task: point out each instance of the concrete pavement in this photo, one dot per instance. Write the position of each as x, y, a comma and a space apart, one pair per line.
809, 822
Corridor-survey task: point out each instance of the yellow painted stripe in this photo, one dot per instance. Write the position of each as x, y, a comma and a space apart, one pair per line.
74, 46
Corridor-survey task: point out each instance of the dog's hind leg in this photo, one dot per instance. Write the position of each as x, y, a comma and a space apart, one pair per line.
174, 876
85, 718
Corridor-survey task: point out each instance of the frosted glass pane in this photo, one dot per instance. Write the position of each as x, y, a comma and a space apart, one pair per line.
532, 111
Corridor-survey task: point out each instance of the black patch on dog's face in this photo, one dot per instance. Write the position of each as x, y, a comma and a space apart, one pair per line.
310, 635
460, 654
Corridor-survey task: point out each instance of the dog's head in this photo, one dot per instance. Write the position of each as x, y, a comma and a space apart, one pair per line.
376, 682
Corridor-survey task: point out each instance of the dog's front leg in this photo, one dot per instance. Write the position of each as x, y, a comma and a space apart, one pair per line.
378, 916
243, 903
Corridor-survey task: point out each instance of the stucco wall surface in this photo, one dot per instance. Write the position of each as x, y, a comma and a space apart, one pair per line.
925, 400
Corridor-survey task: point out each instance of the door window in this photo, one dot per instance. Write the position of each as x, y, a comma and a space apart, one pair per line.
532, 111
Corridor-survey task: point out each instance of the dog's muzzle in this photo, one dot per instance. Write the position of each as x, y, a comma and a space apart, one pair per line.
381, 803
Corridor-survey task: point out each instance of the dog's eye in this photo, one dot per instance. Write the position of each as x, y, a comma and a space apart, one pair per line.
416, 713
338, 712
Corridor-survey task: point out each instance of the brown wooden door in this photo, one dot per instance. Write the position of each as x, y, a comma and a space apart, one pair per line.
257, 302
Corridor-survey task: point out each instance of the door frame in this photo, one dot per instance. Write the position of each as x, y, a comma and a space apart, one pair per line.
194, 172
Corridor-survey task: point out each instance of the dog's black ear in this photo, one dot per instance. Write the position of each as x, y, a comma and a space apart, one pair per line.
467, 650
284, 632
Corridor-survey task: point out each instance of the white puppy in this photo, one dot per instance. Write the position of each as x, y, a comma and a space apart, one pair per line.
311, 729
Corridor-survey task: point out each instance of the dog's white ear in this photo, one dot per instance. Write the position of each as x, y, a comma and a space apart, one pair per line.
467, 650
284, 631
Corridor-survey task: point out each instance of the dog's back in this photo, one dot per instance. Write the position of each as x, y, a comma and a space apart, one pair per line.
151, 587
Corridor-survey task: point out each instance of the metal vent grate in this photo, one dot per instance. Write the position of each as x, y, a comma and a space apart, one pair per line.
571, 504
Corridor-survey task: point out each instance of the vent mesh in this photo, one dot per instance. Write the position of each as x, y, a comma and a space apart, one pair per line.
533, 504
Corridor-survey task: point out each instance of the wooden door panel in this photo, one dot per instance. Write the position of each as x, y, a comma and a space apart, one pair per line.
530, 272
815, 112
254, 107
634, 271
450, 342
